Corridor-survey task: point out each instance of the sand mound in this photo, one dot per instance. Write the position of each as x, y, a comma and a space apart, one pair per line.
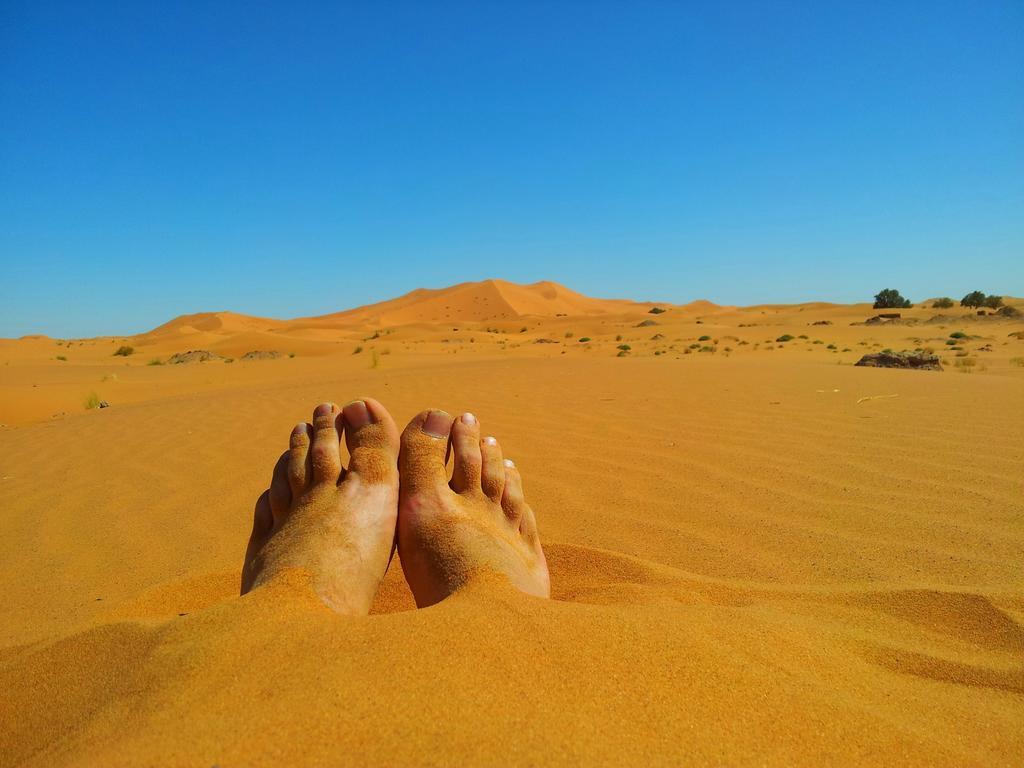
758, 555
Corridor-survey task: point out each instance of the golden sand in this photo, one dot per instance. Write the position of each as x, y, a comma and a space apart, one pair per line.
761, 556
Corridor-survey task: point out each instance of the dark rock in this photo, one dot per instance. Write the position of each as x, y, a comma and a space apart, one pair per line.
545, 341
917, 360
260, 355
193, 356
822, 322
104, 404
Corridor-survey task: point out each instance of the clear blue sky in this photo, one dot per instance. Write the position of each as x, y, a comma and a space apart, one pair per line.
290, 159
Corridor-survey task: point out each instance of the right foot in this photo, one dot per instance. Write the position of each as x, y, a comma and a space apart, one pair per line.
448, 532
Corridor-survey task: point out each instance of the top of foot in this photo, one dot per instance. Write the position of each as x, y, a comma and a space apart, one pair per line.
479, 522
337, 523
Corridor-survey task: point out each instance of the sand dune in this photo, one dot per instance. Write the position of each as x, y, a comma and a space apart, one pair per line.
760, 554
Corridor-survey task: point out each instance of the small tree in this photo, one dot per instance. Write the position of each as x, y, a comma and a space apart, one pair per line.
973, 299
993, 302
889, 298
944, 303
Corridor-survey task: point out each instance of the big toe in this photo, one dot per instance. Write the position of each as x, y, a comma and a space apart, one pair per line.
372, 440
421, 462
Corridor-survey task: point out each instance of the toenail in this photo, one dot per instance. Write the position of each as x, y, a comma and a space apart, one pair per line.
356, 414
301, 429
491, 440
509, 463
324, 409
437, 424
468, 418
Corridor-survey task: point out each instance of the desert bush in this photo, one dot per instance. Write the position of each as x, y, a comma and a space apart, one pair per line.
523, 329
622, 353
584, 339
624, 347
704, 338
62, 358
957, 335
831, 346
357, 350
944, 303
155, 361
1009, 311
950, 342
784, 337
973, 299
568, 334
124, 351
1017, 361
655, 310
802, 336
92, 401
890, 298
993, 302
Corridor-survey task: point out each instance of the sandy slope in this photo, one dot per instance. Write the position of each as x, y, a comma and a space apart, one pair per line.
750, 562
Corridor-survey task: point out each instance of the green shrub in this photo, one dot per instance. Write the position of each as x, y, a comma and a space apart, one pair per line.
624, 347
583, 339
785, 337
124, 351
704, 338
958, 335
92, 401
944, 303
622, 353
62, 358
802, 336
655, 310
831, 346
973, 299
993, 302
155, 361
889, 298
950, 342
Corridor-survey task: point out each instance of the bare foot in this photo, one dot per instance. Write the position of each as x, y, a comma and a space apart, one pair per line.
477, 523
338, 524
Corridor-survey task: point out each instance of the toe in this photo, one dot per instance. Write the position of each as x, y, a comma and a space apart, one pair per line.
299, 471
372, 440
466, 457
421, 460
512, 499
280, 495
325, 453
493, 472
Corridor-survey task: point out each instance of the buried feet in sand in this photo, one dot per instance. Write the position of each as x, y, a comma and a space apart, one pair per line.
336, 523
339, 524
478, 523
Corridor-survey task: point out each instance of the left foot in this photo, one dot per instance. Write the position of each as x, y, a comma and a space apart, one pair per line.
336, 523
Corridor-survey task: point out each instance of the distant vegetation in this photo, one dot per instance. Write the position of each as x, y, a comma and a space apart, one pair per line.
155, 361
655, 310
785, 337
92, 401
944, 303
704, 338
62, 358
124, 351
584, 339
976, 299
357, 350
890, 298
624, 347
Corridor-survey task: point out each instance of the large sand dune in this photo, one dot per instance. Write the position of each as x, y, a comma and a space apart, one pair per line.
760, 554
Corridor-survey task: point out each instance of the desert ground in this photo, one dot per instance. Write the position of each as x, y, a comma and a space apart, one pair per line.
759, 552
